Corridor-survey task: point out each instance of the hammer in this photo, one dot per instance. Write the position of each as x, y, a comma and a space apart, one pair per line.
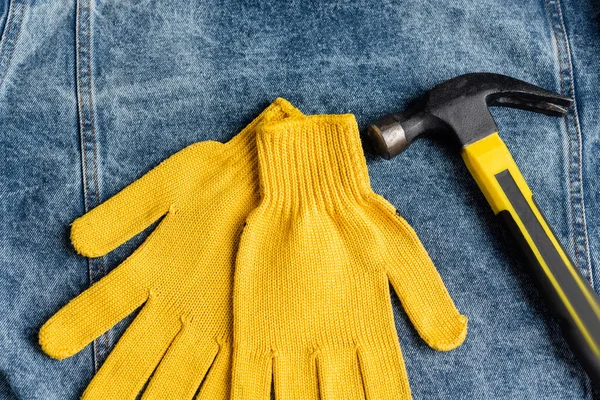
459, 107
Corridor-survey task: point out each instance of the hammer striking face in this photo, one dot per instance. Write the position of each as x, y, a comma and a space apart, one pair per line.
460, 107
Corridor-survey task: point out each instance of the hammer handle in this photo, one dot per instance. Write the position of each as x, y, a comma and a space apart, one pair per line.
575, 303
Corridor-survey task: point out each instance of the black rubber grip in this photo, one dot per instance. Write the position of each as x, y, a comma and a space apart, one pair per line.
573, 291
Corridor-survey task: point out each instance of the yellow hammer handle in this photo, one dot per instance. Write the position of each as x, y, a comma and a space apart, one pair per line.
575, 303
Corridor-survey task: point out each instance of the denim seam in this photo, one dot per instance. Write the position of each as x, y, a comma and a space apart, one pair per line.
577, 126
10, 36
583, 224
89, 143
580, 237
571, 120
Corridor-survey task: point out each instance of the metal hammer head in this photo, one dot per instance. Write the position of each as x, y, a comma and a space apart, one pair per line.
460, 106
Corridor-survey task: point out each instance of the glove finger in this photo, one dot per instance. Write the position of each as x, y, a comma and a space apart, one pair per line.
217, 383
183, 367
251, 376
295, 377
136, 355
339, 374
94, 311
421, 289
383, 371
136, 207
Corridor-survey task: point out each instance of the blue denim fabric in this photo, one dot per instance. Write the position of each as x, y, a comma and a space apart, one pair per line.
95, 93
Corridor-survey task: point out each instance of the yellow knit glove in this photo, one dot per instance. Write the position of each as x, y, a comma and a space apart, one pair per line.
311, 295
182, 273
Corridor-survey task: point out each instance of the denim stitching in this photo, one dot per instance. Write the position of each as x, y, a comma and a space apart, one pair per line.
575, 166
93, 132
582, 225
89, 79
566, 119
83, 158
575, 158
6, 33
11, 36
91, 185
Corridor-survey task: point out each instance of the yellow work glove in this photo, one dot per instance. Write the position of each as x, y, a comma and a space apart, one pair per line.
183, 273
311, 294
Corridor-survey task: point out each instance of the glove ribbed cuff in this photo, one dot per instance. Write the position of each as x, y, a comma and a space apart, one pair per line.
317, 160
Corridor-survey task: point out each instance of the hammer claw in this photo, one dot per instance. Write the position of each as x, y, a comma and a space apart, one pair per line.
553, 107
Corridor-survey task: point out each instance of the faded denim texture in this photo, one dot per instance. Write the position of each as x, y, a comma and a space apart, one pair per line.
95, 93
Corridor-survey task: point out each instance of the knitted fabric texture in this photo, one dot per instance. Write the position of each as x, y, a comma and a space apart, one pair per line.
311, 295
183, 273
